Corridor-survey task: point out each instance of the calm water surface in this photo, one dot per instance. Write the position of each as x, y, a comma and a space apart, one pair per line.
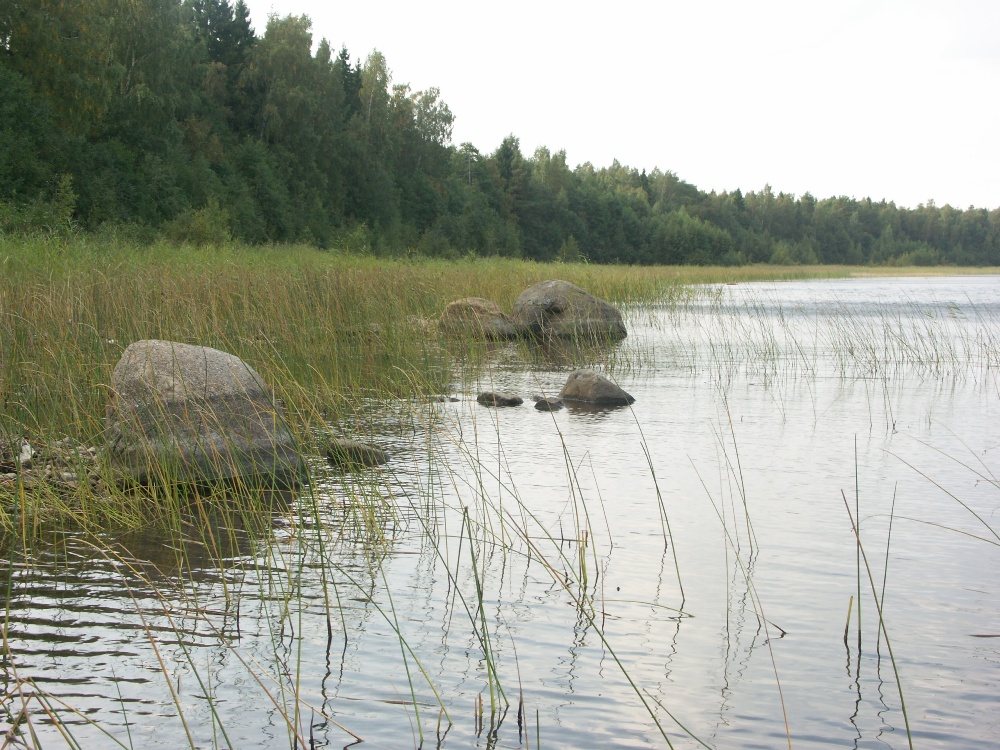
532, 552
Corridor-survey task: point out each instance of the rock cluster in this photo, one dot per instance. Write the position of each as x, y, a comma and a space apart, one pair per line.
581, 387
61, 466
184, 413
548, 309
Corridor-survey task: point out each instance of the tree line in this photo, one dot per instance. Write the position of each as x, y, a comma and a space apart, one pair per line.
174, 118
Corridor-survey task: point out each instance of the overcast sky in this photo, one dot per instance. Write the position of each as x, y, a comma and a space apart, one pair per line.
895, 99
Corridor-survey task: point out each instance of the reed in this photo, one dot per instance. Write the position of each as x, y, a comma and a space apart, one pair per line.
877, 600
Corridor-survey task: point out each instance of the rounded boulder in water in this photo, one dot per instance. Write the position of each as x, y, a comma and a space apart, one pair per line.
591, 387
499, 398
557, 308
548, 404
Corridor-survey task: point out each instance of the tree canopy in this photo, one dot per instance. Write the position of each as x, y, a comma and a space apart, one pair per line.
176, 117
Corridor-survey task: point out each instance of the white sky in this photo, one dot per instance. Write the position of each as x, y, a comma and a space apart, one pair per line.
895, 99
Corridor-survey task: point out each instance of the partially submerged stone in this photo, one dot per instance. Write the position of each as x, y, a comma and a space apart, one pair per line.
188, 413
548, 404
348, 453
475, 316
591, 387
558, 308
499, 398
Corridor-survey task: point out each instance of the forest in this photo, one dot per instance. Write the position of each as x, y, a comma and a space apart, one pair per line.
175, 119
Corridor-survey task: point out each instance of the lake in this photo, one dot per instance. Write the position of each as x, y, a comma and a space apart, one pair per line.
683, 570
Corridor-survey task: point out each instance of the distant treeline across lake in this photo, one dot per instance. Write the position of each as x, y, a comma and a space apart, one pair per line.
176, 119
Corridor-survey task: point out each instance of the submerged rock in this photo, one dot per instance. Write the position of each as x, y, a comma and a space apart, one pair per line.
191, 413
548, 404
347, 453
561, 309
475, 316
589, 386
499, 398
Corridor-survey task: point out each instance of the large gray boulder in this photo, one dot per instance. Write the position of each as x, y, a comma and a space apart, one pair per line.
589, 386
194, 414
475, 316
559, 308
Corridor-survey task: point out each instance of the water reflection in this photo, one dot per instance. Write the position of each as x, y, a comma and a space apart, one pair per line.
594, 412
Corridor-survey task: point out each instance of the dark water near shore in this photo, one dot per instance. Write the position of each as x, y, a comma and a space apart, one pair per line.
760, 410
